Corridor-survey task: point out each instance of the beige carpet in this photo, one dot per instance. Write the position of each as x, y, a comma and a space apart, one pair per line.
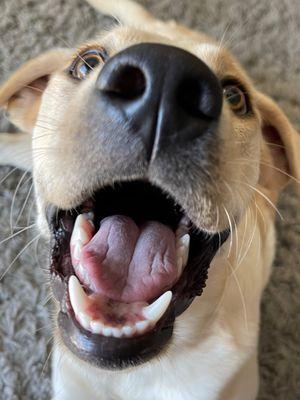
265, 35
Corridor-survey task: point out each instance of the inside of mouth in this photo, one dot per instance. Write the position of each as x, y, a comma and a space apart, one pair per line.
128, 247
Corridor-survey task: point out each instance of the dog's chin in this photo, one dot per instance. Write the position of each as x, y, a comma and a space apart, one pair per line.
124, 264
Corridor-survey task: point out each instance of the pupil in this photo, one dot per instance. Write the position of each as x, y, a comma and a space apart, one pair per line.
233, 96
92, 62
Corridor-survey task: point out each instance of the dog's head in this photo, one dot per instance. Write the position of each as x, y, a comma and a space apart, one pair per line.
149, 143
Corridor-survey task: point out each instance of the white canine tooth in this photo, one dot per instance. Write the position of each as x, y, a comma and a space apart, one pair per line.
129, 330
141, 326
79, 299
183, 227
107, 331
79, 270
84, 320
185, 240
96, 327
156, 310
77, 250
183, 247
80, 233
89, 216
116, 332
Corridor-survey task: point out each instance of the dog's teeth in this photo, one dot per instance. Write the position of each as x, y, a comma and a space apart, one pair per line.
84, 320
128, 330
183, 247
185, 240
156, 310
141, 326
83, 230
77, 250
183, 227
79, 299
107, 331
96, 327
90, 217
116, 332
80, 302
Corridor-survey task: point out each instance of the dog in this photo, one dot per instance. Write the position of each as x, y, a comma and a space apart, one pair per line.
157, 166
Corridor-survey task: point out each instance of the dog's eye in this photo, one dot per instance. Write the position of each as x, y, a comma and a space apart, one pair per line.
86, 62
236, 98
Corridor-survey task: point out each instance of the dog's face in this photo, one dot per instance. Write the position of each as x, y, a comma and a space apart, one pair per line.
147, 150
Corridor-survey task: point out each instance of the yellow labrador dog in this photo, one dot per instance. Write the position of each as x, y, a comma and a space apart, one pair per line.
157, 165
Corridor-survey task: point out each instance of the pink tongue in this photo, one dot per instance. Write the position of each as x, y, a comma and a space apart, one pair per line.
129, 263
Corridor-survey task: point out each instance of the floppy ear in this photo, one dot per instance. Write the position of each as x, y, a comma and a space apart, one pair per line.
283, 142
126, 11
20, 95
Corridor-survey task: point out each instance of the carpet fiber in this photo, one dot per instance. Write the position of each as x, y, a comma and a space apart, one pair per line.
264, 35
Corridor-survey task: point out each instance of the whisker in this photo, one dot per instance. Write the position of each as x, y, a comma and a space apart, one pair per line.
14, 199
47, 360
8, 174
34, 88
240, 261
24, 204
231, 230
18, 233
241, 294
263, 195
19, 255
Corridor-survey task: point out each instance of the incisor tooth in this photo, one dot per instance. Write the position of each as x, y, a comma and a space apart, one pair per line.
107, 331
78, 297
128, 330
141, 326
117, 332
156, 310
96, 327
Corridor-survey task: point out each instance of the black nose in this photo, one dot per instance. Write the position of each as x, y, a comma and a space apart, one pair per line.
164, 94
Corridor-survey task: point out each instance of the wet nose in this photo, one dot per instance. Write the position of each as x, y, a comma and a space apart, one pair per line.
164, 94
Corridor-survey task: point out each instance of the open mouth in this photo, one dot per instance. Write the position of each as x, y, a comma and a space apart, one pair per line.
124, 265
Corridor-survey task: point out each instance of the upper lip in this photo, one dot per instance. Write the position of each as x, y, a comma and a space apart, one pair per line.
191, 283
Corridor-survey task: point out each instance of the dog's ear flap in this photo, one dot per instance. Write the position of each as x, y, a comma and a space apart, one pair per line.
283, 142
20, 95
126, 11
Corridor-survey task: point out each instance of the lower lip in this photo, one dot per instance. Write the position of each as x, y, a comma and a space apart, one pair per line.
113, 353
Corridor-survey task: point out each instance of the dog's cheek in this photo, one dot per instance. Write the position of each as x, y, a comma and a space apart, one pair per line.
239, 164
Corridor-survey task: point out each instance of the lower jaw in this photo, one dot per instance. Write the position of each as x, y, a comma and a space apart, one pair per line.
118, 353
114, 353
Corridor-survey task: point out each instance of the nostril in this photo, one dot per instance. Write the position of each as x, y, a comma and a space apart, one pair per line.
197, 99
126, 82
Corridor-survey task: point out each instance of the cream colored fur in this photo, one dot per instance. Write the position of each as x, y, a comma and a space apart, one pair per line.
213, 354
